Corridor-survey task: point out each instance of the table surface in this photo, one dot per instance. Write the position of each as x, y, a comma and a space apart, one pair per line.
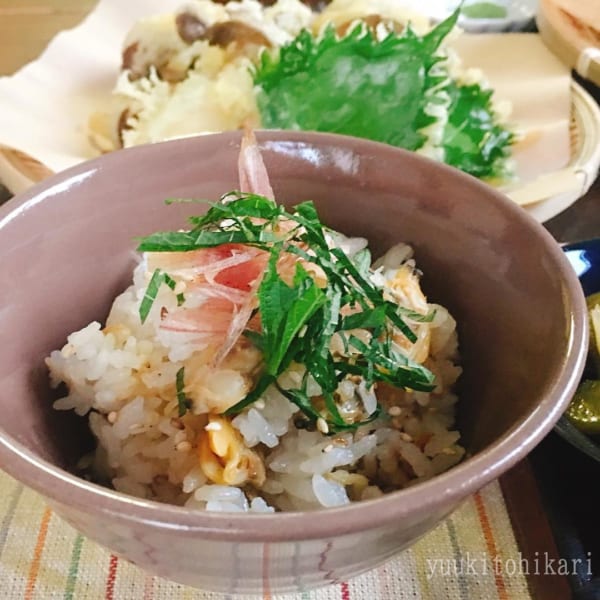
26, 26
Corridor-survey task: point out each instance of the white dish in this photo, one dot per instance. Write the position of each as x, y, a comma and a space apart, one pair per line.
44, 110
519, 14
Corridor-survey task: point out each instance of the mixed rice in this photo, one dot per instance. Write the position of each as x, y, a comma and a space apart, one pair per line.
282, 373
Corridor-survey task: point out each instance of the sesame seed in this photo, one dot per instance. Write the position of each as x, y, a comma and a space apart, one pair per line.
259, 404
213, 427
184, 446
449, 451
406, 437
134, 426
328, 448
322, 425
112, 417
394, 411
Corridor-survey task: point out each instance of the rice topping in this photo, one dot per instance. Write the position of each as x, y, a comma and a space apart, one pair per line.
260, 362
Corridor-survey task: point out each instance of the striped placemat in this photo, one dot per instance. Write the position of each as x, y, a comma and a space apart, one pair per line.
471, 555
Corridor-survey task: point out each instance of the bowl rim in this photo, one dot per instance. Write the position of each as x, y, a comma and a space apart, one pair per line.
442, 492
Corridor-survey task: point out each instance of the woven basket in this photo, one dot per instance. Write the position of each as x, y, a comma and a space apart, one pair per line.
575, 42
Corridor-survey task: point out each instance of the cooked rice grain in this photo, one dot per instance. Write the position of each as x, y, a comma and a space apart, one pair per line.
123, 376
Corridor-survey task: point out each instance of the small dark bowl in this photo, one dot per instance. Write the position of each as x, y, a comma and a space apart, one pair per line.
585, 259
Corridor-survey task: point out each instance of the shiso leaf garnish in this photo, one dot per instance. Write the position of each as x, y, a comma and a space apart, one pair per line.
388, 90
473, 139
183, 403
299, 319
150, 294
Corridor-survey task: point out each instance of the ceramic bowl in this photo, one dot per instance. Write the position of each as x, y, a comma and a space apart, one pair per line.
584, 257
66, 250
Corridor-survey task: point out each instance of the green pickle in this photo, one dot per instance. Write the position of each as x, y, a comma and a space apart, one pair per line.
584, 410
593, 304
592, 300
484, 10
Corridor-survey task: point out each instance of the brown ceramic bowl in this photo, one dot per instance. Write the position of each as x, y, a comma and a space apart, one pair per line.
66, 250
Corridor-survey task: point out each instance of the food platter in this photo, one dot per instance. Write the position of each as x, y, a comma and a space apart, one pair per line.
44, 109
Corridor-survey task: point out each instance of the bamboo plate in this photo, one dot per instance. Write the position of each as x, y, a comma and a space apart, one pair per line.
550, 194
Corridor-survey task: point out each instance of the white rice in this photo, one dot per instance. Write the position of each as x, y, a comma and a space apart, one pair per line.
123, 377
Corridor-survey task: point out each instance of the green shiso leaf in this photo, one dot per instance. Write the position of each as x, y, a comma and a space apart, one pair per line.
284, 310
150, 295
183, 403
354, 85
381, 90
473, 140
172, 283
158, 278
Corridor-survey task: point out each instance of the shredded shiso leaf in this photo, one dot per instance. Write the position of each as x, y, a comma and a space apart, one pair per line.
390, 90
299, 320
183, 404
473, 139
158, 278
